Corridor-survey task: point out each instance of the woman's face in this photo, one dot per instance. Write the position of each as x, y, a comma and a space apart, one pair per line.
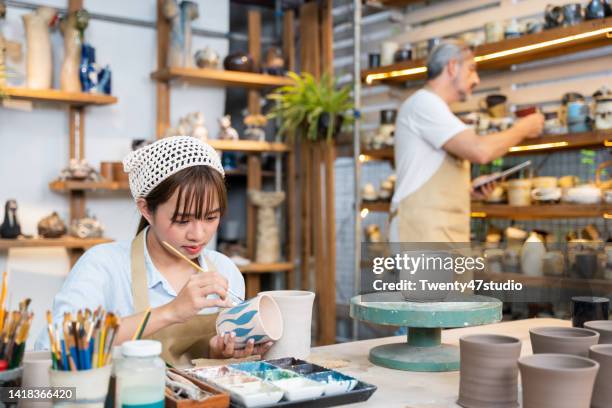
187, 234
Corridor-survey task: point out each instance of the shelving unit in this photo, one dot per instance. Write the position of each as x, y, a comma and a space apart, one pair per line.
165, 76
74, 99
67, 242
504, 54
69, 185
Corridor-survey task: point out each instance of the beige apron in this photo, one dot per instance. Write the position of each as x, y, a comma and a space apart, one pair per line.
181, 342
438, 211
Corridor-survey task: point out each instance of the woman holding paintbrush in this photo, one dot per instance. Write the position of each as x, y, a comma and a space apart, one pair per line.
164, 275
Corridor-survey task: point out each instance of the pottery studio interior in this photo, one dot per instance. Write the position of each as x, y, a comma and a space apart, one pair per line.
222, 203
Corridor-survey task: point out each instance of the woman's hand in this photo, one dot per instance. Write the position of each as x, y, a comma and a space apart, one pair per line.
224, 347
193, 297
484, 191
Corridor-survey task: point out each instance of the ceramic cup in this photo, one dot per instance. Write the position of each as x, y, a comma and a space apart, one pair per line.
572, 14
118, 173
602, 392
387, 52
562, 340
91, 385
519, 192
557, 380
36, 365
603, 327
554, 263
296, 310
258, 318
488, 371
106, 170
494, 31
374, 60
589, 308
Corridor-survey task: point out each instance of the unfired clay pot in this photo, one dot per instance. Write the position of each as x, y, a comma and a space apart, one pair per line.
258, 318
563, 340
39, 56
557, 380
488, 371
296, 308
604, 328
602, 392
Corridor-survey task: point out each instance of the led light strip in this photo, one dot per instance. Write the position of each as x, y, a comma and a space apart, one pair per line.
538, 146
519, 50
478, 214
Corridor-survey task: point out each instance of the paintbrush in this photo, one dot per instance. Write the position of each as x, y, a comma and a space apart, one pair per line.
3, 298
143, 323
115, 328
195, 265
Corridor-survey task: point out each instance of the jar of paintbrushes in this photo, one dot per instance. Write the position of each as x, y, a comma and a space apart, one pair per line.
14, 329
81, 355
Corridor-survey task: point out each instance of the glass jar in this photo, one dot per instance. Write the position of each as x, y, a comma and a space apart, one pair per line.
141, 375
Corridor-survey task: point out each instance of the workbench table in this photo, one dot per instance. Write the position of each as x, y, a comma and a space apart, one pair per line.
408, 389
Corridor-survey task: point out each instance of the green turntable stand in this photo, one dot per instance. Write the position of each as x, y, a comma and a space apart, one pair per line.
424, 350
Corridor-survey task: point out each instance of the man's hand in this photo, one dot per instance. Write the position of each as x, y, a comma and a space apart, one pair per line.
531, 126
224, 347
484, 191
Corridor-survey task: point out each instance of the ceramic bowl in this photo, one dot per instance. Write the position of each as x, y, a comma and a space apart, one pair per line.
562, 340
258, 318
544, 182
603, 327
585, 194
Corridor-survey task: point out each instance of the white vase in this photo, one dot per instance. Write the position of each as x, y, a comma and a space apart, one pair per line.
69, 77
296, 308
39, 57
532, 256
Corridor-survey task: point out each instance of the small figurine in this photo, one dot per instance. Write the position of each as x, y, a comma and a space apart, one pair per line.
197, 126
87, 227
255, 125
79, 170
10, 228
51, 226
227, 132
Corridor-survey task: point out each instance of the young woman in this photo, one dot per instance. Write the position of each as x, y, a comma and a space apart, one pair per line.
178, 186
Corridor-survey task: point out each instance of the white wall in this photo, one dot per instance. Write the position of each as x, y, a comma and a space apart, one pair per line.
34, 145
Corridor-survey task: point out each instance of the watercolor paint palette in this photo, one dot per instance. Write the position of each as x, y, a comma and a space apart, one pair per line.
286, 382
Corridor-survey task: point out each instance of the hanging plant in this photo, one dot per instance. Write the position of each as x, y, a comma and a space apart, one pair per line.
316, 106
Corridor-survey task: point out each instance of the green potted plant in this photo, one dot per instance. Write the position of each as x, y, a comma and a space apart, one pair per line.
316, 106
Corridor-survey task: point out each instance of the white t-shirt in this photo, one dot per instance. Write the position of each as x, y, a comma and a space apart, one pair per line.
424, 124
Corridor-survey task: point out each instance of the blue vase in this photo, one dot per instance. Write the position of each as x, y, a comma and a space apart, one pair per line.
577, 117
87, 72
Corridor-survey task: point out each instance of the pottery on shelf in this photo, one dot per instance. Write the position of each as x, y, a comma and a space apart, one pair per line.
180, 18
533, 252
603, 108
562, 340
86, 227
387, 52
519, 192
267, 248
603, 327
494, 31
51, 226
553, 16
226, 131
374, 60
239, 61
488, 371
572, 14
602, 391
584, 194
403, 54
207, 58
597, 9
274, 63
296, 309
368, 192
79, 170
557, 380
589, 308
258, 318
10, 228
39, 55
69, 77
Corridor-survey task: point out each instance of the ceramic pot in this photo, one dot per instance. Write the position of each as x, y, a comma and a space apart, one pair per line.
604, 328
388, 116
595, 9
519, 192
106, 170
603, 112
258, 318
387, 52
51, 226
577, 116
494, 31
532, 256
296, 310
488, 371
374, 60
553, 16
39, 54
434, 272
239, 61
562, 340
267, 243
602, 391
572, 14
512, 29
118, 173
589, 308
554, 263
557, 380
207, 58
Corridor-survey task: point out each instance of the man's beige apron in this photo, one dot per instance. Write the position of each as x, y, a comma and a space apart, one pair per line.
181, 342
439, 211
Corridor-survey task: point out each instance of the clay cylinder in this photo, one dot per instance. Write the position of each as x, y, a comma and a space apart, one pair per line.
296, 308
563, 340
106, 170
118, 173
602, 392
603, 327
557, 380
488, 371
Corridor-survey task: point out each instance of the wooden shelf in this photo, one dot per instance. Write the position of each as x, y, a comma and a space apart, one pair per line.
540, 211
376, 206
556, 282
386, 153
66, 186
57, 96
244, 173
266, 268
570, 141
486, 51
248, 146
66, 242
219, 77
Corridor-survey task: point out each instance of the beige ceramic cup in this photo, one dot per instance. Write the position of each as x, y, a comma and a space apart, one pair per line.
519, 192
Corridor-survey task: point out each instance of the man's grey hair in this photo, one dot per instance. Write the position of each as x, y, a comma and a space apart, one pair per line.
443, 53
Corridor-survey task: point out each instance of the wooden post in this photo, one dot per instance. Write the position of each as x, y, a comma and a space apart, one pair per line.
327, 38
162, 87
291, 216
74, 5
289, 39
253, 183
328, 296
310, 54
306, 188
254, 19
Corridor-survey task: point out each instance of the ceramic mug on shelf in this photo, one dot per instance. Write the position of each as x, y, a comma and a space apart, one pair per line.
387, 51
494, 31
